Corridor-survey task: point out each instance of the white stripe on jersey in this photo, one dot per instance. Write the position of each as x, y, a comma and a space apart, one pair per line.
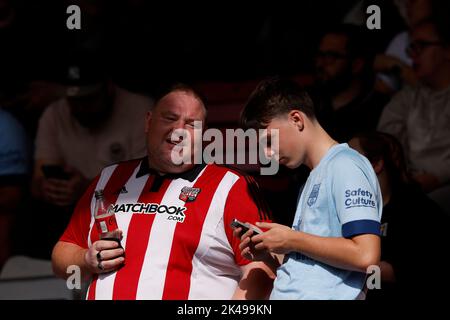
101, 183
154, 268
205, 280
105, 282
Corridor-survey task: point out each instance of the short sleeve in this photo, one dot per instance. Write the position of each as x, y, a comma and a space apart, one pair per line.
357, 197
245, 204
77, 232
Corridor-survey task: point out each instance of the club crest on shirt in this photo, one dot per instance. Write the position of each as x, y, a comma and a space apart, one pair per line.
189, 194
314, 195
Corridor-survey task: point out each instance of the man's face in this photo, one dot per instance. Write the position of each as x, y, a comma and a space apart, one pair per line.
333, 66
91, 110
417, 10
427, 52
177, 110
290, 152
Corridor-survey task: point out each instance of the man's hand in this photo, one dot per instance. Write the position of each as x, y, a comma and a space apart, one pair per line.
385, 63
64, 192
104, 256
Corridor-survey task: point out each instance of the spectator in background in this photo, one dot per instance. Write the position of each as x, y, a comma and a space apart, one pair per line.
344, 96
14, 168
411, 223
395, 65
95, 125
419, 116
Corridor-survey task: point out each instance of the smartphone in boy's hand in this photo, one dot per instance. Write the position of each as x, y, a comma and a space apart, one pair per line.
244, 226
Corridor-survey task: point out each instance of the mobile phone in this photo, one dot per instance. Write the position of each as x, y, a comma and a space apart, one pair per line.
245, 227
55, 172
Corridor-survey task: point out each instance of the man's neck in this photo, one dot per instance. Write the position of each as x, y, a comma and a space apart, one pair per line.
346, 96
318, 146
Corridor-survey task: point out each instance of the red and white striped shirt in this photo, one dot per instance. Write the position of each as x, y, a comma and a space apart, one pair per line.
176, 231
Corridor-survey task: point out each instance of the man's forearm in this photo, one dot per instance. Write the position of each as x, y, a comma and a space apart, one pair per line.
67, 254
341, 253
256, 282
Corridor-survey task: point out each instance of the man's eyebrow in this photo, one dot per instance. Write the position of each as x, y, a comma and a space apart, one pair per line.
169, 113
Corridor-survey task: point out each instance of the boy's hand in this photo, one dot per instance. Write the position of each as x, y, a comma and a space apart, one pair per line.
277, 238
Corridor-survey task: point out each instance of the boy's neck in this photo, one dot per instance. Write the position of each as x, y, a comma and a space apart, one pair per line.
318, 146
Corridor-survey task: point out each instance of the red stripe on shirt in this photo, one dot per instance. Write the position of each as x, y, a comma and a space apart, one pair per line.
118, 179
77, 232
127, 279
187, 236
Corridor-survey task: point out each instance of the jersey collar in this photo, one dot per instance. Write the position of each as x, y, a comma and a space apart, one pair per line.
189, 175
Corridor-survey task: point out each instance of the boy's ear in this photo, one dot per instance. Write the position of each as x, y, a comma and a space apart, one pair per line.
298, 118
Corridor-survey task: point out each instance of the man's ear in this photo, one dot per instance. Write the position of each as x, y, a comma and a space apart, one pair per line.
147, 121
298, 118
378, 166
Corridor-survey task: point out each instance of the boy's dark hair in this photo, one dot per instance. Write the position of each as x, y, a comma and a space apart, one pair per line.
275, 97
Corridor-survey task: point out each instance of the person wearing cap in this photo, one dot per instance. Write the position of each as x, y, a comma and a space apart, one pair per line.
95, 124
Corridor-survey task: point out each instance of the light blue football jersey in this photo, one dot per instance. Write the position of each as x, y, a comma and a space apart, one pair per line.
341, 198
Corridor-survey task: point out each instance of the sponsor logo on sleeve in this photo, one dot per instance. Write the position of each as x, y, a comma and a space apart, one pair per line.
358, 198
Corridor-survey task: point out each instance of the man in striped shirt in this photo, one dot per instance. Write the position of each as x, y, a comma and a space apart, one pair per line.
175, 221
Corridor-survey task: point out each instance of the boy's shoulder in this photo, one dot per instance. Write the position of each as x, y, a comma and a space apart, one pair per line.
344, 156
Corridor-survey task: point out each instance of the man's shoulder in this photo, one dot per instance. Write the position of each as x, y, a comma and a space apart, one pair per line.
132, 163
227, 169
408, 94
58, 110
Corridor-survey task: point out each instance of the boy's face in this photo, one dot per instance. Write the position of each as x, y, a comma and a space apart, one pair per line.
290, 151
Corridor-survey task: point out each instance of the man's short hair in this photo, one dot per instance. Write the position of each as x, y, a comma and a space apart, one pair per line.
166, 88
275, 97
357, 46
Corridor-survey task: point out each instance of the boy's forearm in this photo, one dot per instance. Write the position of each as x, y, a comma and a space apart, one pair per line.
355, 254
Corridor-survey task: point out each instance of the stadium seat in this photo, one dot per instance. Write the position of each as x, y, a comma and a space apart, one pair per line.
25, 278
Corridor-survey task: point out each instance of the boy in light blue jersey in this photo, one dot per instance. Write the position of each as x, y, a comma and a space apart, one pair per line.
335, 235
